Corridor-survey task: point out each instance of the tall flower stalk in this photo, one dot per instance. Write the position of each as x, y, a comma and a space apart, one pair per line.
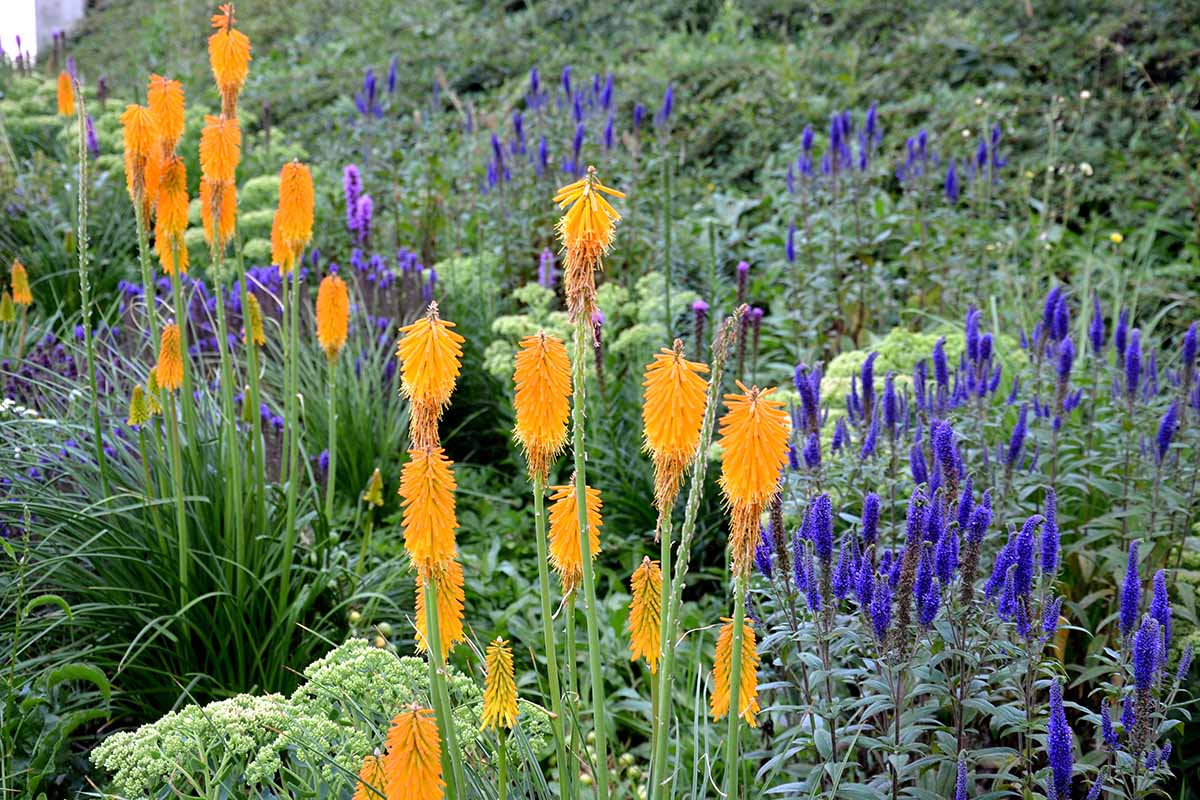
659, 777
85, 289
333, 319
542, 401
586, 228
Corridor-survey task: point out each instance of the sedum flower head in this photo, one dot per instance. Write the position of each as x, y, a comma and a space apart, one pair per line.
333, 315
430, 354
748, 688
645, 613
500, 688
541, 400
413, 766
427, 496
565, 553
672, 414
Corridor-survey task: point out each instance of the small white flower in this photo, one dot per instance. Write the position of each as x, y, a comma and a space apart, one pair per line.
1085, 95
966, 133
1086, 169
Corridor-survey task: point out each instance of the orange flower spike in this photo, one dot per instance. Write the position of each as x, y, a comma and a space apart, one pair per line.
586, 230
295, 206
542, 400
223, 195
165, 99
430, 356
672, 414
333, 315
754, 443
370, 777
748, 678
172, 216
229, 55
500, 688
645, 613
412, 768
169, 370
220, 148
427, 492
66, 95
281, 255
451, 598
19, 277
564, 533
141, 172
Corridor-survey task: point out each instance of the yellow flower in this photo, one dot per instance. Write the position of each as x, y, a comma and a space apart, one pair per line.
333, 315
152, 393
565, 552
373, 495
1116, 237
412, 768
66, 95
748, 678
169, 370
500, 688
447, 577
427, 492
139, 413
586, 230
254, 319
541, 400
672, 414
21, 295
371, 776
645, 613
430, 356
8, 313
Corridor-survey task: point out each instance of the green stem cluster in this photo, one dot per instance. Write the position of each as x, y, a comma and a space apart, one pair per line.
556, 721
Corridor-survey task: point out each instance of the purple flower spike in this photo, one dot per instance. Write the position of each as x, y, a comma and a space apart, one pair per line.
1145, 653
1131, 592
1059, 745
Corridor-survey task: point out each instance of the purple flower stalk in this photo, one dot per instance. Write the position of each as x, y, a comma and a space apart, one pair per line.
1096, 326
960, 781
1106, 727
546, 269
352, 188
1133, 365
916, 465
1145, 653
951, 184
881, 610
1050, 535
870, 519
812, 451
1166, 431
1160, 605
1017, 442
1059, 745
789, 251
821, 520
1131, 592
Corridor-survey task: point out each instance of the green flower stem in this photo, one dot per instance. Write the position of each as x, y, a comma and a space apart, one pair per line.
85, 290
666, 180
366, 547
181, 532
664, 543
503, 778
443, 710
253, 394
232, 451
735, 690
658, 766
292, 301
556, 722
162, 539
148, 293
582, 331
181, 319
572, 777
331, 477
